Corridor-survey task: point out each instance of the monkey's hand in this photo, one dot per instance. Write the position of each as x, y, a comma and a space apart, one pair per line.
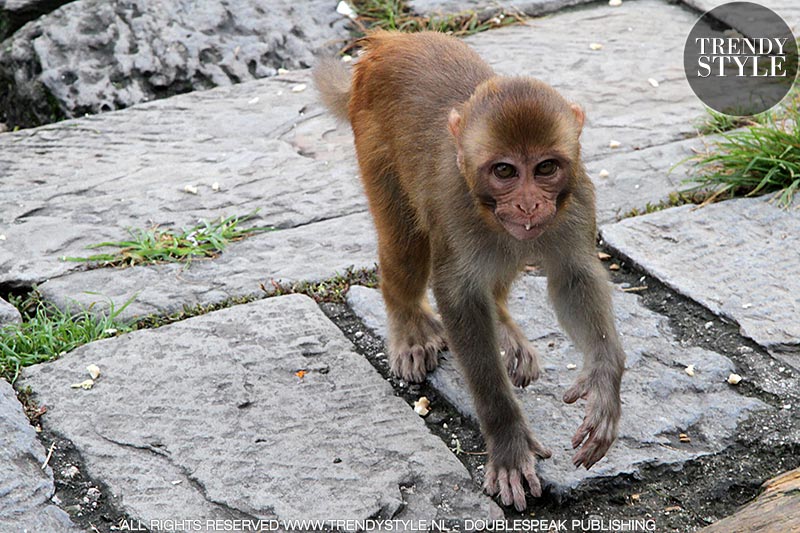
599, 428
512, 458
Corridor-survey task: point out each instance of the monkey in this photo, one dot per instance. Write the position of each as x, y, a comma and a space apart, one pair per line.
470, 176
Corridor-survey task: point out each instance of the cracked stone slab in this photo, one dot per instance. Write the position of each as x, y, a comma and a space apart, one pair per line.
612, 83
660, 400
94, 56
25, 488
206, 418
80, 182
739, 258
485, 8
307, 253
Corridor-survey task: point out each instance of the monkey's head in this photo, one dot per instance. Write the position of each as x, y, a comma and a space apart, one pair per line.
518, 148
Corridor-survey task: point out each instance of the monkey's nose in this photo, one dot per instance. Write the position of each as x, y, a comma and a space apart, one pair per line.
528, 210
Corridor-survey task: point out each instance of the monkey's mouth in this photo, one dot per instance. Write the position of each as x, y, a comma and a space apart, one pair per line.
523, 231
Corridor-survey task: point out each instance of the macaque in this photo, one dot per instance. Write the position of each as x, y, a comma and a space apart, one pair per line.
470, 176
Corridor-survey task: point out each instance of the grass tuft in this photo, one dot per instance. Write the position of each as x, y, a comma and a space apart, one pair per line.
205, 240
329, 290
48, 332
762, 158
675, 199
396, 15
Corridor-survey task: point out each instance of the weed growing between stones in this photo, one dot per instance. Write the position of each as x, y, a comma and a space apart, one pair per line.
762, 158
396, 15
48, 332
331, 290
675, 199
715, 122
205, 240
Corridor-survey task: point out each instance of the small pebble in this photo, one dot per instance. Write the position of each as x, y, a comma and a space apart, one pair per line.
358, 334
347, 58
602, 256
603, 173
613, 266
652, 81
734, 379
683, 437
572, 366
215, 186
282, 71
253, 100
299, 88
614, 144
191, 189
595, 46
689, 370
787, 406
708, 324
615, 3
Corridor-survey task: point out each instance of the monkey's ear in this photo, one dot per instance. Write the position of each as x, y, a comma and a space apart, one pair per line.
580, 116
455, 125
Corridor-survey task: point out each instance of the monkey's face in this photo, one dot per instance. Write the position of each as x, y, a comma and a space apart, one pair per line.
520, 193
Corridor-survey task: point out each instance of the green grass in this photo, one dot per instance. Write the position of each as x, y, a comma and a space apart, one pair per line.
716, 122
48, 332
396, 15
761, 158
205, 240
675, 199
329, 290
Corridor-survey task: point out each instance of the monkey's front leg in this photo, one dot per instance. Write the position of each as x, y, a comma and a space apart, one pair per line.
469, 317
581, 295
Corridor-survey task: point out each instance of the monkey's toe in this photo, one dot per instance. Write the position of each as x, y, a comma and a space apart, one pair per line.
412, 363
521, 359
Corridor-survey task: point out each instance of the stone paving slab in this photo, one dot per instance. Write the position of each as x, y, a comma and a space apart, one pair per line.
531, 8
25, 488
789, 10
660, 400
79, 182
612, 83
739, 258
308, 253
206, 418
640, 177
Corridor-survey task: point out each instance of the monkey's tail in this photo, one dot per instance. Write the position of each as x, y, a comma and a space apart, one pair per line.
332, 79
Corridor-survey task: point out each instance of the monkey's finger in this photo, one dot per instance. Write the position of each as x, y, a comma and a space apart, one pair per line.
583, 430
577, 390
517, 490
539, 449
533, 481
490, 481
505, 491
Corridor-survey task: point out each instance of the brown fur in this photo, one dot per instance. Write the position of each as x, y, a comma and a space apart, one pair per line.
431, 122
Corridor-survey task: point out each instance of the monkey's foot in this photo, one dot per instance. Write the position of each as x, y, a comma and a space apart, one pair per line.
599, 428
414, 349
509, 465
521, 359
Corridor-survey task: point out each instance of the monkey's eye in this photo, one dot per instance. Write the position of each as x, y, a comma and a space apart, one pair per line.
546, 168
504, 171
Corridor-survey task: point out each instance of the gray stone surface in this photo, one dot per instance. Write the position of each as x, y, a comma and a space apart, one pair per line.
97, 55
789, 10
739, 258
484, 8
8, 313
25, 488
612, 83
130, 168
309, 253
207, 419
660, 400
640, 177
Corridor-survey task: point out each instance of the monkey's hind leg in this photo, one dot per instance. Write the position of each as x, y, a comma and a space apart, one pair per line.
416, 335
520, 358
